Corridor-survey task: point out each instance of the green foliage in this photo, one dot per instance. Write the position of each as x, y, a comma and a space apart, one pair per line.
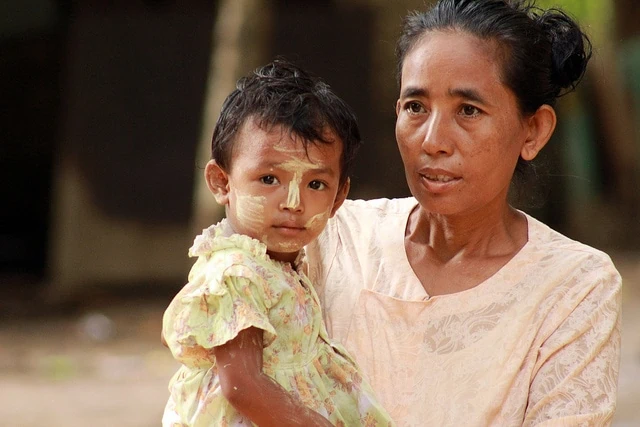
595, 15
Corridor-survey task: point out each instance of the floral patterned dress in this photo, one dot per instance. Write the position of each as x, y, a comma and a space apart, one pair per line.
235, 285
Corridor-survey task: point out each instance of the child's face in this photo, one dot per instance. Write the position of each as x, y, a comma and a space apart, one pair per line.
276, 191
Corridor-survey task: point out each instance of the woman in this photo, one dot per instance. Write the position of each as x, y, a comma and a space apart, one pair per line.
461, 309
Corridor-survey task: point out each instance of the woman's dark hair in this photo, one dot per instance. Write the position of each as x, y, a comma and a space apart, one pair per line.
280, 93
544, 53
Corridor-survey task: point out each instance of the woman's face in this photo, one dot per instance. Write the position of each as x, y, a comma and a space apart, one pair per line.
459, 128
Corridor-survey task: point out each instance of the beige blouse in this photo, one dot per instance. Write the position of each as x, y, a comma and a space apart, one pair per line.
537, 343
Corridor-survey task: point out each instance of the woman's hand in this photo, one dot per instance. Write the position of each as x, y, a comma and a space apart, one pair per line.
253, 393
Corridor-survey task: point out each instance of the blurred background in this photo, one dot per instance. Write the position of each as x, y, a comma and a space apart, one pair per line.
107, 111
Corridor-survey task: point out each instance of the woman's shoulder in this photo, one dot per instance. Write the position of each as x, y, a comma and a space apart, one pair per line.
356, 228
361, 218
363, 213
543, 235
381, 206
562, 250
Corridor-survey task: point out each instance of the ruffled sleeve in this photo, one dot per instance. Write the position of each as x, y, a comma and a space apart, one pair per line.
227, 293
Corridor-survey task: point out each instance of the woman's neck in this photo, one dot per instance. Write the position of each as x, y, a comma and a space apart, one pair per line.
473, 235
451, 254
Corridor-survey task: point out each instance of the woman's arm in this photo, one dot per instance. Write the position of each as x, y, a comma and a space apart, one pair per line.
253, 393
577, 373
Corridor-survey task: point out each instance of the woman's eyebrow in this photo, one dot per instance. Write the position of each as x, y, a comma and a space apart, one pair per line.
468, 93
412, 91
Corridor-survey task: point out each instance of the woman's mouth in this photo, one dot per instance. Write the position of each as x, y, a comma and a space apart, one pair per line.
439, 178
438, 183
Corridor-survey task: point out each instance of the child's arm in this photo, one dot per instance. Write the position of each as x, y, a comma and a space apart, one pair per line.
252, 392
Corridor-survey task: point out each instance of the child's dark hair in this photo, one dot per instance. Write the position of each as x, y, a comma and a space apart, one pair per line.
281, 93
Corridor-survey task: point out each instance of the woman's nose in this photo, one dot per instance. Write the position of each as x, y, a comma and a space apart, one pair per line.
437, 134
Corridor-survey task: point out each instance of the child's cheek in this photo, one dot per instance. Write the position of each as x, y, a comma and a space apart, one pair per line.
316, 223
250, 212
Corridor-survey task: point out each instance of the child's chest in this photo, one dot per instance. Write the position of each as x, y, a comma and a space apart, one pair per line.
295, 302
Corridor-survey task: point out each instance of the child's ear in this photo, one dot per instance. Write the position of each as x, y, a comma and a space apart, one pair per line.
340, 197
541, 127
217, 181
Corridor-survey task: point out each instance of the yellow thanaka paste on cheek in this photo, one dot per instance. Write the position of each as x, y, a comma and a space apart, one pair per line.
318, 221
250, 211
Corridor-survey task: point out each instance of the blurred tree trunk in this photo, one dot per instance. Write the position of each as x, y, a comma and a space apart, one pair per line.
617, 112
627, 31
617, 123
240, 44
627, 16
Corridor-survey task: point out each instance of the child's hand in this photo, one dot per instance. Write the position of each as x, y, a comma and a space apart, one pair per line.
253, 393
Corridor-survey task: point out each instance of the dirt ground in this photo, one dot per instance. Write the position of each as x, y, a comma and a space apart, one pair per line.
103, 365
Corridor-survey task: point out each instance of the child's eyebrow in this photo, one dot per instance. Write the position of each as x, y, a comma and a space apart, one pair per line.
322, 170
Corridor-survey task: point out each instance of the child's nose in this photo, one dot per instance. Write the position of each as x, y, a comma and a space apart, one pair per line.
292, 202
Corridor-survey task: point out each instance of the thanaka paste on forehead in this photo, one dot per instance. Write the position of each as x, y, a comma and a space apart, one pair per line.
290, 145
288, 148
297, 165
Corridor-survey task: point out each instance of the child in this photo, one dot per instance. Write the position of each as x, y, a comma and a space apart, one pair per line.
247, 327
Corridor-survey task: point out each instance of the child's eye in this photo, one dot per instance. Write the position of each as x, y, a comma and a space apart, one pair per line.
317, 185
269, 180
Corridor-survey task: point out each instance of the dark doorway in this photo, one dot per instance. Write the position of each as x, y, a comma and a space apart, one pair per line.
32, 38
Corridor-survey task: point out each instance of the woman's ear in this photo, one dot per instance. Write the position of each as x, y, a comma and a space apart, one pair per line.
340, 197
217, 181
541, 126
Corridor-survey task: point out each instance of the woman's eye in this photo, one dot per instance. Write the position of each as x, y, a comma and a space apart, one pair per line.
317, 185
414, 107
469, 110
269, 180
